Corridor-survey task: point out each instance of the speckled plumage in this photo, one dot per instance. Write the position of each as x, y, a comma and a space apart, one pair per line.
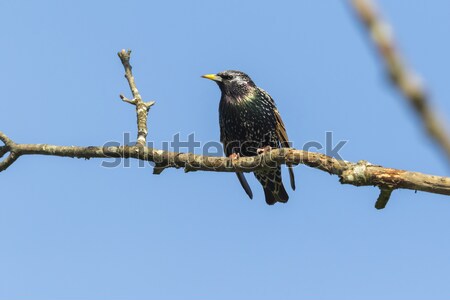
249, 120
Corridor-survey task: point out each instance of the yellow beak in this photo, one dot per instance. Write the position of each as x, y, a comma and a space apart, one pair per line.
212, 77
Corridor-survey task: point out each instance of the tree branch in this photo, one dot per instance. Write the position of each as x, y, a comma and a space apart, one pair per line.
385, 194
406, 81
361, 173
142, 107
8, 147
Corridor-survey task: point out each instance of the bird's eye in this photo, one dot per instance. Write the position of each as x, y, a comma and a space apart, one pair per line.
227, 76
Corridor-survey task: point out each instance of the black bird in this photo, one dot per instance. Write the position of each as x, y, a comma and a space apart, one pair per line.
250, 124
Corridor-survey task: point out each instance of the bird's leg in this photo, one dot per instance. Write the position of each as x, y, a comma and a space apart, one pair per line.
234, 156
263, 150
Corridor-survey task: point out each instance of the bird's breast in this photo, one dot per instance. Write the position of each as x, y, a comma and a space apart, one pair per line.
248, 126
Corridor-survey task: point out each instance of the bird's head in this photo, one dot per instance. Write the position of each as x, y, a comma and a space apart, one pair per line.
233, 83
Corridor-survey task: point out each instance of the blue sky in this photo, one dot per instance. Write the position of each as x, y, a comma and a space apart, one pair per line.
71, 229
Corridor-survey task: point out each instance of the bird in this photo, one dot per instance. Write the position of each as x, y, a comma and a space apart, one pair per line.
250, 124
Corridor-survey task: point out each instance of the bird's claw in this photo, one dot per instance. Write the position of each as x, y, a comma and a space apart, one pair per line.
263, 150
234, 156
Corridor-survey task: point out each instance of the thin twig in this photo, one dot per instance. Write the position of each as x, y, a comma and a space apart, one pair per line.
142, 108
404, 79
3, 151
385, 195
10, 147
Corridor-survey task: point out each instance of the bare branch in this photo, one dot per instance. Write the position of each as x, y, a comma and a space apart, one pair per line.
404, 79
3, 150
383, 199
8, 147
142, 108
125, 99
361, 173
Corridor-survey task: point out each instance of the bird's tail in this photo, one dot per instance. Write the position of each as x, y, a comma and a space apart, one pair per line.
272, 183
244, 184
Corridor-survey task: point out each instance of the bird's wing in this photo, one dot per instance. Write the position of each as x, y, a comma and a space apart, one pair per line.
281, 133
281, 130
284, 140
